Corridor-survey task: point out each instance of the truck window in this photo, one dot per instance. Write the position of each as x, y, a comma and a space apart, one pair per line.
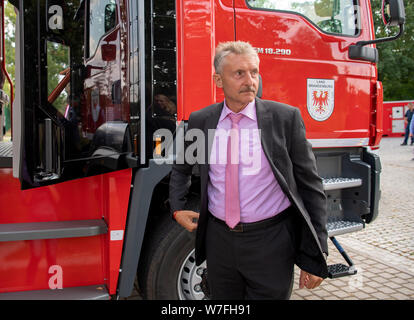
102, 18
331, 16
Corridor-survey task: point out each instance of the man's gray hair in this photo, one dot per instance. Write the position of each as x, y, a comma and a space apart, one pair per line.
237, 47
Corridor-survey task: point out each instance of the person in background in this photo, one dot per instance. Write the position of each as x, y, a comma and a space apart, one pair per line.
412, 131
407, 120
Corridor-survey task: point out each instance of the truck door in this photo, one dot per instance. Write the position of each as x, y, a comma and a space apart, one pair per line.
74, 109
303, 47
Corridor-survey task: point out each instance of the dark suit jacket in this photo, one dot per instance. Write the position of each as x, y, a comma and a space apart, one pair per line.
293, 164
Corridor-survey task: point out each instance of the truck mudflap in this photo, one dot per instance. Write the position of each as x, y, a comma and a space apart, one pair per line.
374, 161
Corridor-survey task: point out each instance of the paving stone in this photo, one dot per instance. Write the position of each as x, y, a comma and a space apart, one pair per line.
361, 295
385, 289
392, 285
406, 291
399, 296
368, 289
409, 286
380, 295
341, 294
405, 276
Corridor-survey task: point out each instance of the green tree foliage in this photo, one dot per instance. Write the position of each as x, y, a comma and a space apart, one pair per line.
396, 65
58, 58
10, 22
57, 61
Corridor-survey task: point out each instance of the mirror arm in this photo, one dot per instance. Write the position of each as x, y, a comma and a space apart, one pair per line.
400, 33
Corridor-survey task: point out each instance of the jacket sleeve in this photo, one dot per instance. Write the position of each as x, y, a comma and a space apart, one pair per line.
180, 178
308, 181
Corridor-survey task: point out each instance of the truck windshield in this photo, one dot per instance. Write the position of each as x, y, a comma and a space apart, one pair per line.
331, 16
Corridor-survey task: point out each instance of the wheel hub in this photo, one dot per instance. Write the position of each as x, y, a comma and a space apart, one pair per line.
192, 280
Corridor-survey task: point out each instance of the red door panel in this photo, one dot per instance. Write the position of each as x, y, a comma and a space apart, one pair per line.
299, 60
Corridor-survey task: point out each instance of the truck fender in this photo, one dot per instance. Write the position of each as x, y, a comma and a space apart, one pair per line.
145, 180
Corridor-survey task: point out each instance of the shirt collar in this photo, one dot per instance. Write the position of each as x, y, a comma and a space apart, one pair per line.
249, 111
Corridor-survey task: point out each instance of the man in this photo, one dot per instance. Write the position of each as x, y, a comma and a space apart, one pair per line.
407, 120
252, 228
412, 130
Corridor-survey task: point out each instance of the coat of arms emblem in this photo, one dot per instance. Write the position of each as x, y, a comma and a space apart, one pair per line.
320, 96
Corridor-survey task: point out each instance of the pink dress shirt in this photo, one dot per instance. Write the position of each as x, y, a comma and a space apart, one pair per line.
260, 194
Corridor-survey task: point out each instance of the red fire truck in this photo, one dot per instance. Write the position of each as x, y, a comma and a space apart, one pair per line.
84, 203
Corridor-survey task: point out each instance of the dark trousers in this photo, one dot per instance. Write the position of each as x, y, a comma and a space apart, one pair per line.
407, 134
253, 264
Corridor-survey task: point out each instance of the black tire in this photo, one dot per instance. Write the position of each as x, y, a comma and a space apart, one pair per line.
165, 254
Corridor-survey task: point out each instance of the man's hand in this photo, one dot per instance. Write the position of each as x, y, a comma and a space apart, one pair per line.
309, 280
186, 219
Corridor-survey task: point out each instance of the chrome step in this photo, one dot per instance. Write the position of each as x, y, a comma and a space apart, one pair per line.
96, 292
337, 227
52, 230
340, 270
340, 183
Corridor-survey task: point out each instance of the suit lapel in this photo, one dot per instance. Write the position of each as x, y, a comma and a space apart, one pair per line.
210, 123
264, 124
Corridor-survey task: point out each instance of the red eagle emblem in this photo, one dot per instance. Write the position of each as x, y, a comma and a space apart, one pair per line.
320, 101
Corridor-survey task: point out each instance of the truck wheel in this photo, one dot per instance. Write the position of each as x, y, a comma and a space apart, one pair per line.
168, 270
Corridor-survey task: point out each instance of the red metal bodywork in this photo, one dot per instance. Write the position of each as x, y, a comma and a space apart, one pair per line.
84, 261
315, 54
201, 25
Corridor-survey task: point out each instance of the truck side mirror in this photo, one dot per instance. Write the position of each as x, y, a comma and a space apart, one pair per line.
393, 12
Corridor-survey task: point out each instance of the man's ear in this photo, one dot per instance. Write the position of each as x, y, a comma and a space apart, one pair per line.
217, 80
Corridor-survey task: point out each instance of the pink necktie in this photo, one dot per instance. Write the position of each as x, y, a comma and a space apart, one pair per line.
232, 198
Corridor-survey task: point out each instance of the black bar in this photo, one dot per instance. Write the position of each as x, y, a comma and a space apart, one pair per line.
342, 251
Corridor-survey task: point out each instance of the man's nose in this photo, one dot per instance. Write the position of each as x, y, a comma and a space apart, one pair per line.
249, 79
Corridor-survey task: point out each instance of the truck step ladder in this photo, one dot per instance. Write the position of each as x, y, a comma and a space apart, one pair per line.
52, 230
55, 230
340, 183
341, 270
337, 227
96, 292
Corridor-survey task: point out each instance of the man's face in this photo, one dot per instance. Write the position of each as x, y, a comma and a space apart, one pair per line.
161, 100
239, 79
